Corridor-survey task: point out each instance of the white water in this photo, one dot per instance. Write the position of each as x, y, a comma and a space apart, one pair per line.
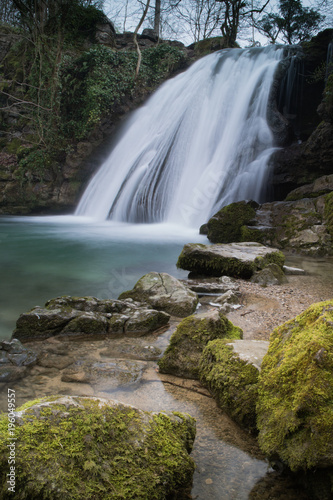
200, 142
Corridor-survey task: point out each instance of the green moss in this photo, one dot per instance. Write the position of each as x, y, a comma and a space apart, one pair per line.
182, 356
295, 407
226, 225
232, 381
93, 450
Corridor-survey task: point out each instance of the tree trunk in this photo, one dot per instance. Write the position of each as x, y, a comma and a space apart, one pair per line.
157, 17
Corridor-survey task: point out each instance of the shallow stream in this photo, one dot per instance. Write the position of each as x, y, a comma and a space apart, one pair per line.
42, 258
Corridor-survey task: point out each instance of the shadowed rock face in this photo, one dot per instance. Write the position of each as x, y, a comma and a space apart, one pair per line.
79, 447
88, 316
164, 292
239, 260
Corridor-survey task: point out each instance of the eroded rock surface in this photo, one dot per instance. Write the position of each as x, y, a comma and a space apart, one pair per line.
164, 293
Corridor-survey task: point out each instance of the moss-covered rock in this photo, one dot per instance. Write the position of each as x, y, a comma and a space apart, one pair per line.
188, 341
164, 293
295, 406
239, 260
69, 448
88, 316
226, 226
270, 275
231, 370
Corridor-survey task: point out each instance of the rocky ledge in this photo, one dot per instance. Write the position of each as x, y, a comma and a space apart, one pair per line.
234, 259
73, 316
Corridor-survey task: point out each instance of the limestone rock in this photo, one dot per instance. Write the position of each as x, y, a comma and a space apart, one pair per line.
230, 369
80, 447
89, 316
295, 414
213, 285
182, 356
164, 293
239, 260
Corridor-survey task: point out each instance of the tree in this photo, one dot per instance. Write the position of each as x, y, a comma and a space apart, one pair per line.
293, 24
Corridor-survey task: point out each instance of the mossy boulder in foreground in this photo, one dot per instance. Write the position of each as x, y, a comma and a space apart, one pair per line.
187, 343
70, 448
295, 405
230, 369
239, 260
164, 293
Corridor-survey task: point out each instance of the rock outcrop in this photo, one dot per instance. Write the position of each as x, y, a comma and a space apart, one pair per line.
78, 447
88, 316
15, 360
164, 293
239, 260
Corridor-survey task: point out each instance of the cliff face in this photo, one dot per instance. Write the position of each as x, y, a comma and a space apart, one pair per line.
53, 139
309, 153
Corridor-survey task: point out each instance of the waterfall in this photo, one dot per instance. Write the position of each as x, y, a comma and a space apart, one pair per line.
200, 142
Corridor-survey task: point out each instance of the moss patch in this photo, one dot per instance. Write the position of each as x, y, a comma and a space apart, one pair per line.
226, 226
295, 407
187, 343
232, 381
74, 448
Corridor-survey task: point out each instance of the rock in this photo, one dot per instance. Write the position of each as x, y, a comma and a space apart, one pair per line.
239, 260
320, 186
212, 285
15, 360
182, 356
84, 447
226, 225
150, 34
88, 316
270, 275
295, 415
164, 293
231, 370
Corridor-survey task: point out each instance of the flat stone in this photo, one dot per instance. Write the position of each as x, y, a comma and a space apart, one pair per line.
251, 351
239, 260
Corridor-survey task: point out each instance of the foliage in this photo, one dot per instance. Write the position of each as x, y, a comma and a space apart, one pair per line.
100, 77
294, 23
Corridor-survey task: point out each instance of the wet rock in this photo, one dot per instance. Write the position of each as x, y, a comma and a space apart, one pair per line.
239, 260
270, 275
105, 376
182, 356
117, 448
88, 316
295, 416
165, 293
15, 360
230, 369
226, 226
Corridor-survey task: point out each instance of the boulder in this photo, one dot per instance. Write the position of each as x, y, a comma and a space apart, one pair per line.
230, 369
88, 316
239, 260
182, 356
80, 447
294, 410
164, 293
226, 226
270, 275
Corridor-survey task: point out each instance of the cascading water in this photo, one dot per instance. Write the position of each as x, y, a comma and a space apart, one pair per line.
200, 142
